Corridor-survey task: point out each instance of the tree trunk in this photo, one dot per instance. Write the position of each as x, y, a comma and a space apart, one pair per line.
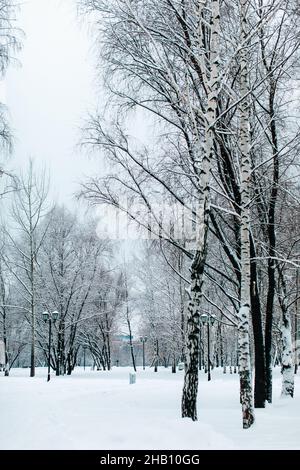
60, 347
32, 348
174, 364
182, 317
71, 361
32, 305
268, 330
259, 350
5, 341
218, 348
296, 347
130, 342
272, 242
190, 388
246, 394
156, 356
200, 347
287, 357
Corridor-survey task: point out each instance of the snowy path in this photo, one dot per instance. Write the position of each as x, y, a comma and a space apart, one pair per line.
100, 410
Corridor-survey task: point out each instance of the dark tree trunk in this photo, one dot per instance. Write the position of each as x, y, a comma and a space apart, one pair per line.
296, 326
200, 347
132, 356
269, 329
60, 349
259, 350
182, 317
32, 358
272, 243
156, 356
174, 365
218, 349
6, 356
106, 338
222, 361
71, 361
190, 389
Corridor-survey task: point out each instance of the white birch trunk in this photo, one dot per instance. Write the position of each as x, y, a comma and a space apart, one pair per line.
246, 393
287, 366
190, 388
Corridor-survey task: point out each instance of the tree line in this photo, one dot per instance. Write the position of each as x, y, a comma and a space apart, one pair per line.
218, 82
212, 185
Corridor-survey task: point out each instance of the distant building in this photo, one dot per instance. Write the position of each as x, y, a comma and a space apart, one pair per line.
124, 338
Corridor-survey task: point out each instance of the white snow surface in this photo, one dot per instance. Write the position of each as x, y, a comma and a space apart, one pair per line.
100, 410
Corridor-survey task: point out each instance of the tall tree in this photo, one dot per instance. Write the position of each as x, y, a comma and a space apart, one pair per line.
189, 83
72, 258
190, 388
244, 312
10, 38
28, 209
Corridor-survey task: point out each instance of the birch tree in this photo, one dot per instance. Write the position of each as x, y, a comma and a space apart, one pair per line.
28, 209
201, 153
244, 346
190, 389
10, 42
212, 121
287, 265
287, 363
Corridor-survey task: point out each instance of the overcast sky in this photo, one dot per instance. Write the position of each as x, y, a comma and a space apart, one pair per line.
50, 93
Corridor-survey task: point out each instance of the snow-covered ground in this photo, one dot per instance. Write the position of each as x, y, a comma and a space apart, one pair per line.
100, 410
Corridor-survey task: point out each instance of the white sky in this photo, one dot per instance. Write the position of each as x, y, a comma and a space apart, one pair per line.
50, 93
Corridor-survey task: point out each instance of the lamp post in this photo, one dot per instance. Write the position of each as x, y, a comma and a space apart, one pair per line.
49, 317
208, 320
143, 340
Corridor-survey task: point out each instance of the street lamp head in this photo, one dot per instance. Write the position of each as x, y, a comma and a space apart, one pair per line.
45, 316
145, 338
204, 318
212, 319
55, 315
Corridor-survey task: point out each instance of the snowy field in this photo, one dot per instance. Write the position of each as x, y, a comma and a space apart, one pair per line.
100, 410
